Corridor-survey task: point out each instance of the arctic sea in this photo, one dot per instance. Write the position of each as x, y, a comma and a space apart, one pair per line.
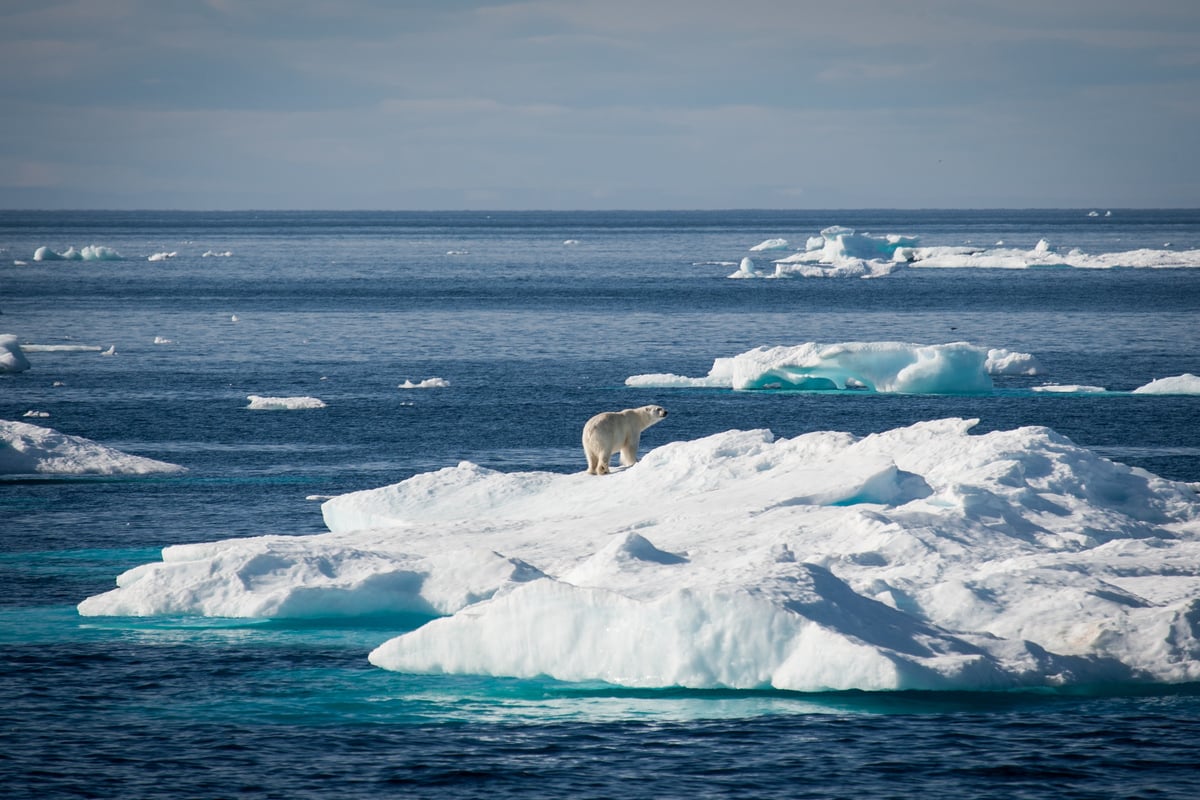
533, 321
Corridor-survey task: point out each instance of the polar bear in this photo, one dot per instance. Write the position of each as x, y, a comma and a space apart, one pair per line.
610, 431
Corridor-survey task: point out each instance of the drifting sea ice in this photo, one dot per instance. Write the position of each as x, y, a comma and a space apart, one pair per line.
427, 383
92, 252
259, 403
27, 449
902, 367
1186, 383
919, 558
12, 356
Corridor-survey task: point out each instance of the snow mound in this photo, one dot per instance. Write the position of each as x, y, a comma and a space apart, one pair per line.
27, 449
957, 367
770, 244
1186, 383
12, 357
258, 403
919, 558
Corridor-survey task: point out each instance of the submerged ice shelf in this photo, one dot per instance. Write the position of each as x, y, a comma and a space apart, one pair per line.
923, 557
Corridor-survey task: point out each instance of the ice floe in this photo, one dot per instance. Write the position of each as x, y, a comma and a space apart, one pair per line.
12, 355
260, 403
92, 252
1186, 383
844, 252
902, 367
27, 449
427, 383
924, 557
770, 244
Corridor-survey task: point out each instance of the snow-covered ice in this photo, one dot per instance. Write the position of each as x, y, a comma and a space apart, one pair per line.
27, 449
902, 367
923, 557
260, 403
1186, 383
12, 355
844, 252
163, 256
1069, 388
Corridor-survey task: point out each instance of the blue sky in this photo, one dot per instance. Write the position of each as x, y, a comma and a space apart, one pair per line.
576, 104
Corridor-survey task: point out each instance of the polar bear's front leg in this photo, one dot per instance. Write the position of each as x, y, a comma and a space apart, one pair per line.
629, 450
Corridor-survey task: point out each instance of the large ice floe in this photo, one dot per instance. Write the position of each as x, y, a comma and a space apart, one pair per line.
1187, 383
957, 367
260, 403
27, 449
92, 252
923, 557
844, 252
12, 356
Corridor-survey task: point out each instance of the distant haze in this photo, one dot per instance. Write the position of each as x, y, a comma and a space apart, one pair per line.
584, 104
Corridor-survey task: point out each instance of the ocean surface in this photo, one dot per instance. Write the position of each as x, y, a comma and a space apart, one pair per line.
534, 319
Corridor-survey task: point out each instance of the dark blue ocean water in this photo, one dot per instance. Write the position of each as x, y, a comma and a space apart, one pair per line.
346, 306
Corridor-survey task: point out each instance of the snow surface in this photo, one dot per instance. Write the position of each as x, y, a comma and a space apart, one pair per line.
843, 252
770, 244
27, 449
12, 356
259, 403
919, 558
1186, 383
902, 367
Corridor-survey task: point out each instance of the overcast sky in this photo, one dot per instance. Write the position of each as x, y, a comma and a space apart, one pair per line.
580, 104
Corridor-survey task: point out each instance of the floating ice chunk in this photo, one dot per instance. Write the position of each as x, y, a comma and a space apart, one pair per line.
234, 318
571, 241
458, 252
111, 351
1006, 362
259, 403
1186, 383
92, 252
27, 449
875, 366
44, 253
770, 244
746, 269
163, 256
843, 252
96, 252
36, 414
217, 254
12, 355
428, 383
162, 340
918, 558
1069, 388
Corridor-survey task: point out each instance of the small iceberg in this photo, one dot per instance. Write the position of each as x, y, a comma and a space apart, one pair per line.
259, 403
1186, 383
428, 383
12, 356
27, 449
770, 244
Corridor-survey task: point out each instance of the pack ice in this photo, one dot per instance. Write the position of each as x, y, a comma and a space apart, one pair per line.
924, 557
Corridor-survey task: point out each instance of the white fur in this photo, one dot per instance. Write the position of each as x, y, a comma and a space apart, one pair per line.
610, 431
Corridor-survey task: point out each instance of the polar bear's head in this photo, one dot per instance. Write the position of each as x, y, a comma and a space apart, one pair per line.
651, 414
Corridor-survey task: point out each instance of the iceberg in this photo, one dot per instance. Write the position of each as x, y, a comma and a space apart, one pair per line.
1186, 383
12, 356
901, 367
259, 403
925, 557
843, 252
27, 449
1006, 362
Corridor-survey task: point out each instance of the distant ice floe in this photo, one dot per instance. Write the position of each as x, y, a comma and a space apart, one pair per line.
770, 244
1186, 383
35, 414
162, 340
217, 254
428, 383
163, 256
259, 403
901, 367
570, 242
61, 348
920, 558
92, 252
841, 252
1069, 388
27, 449
12, 355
